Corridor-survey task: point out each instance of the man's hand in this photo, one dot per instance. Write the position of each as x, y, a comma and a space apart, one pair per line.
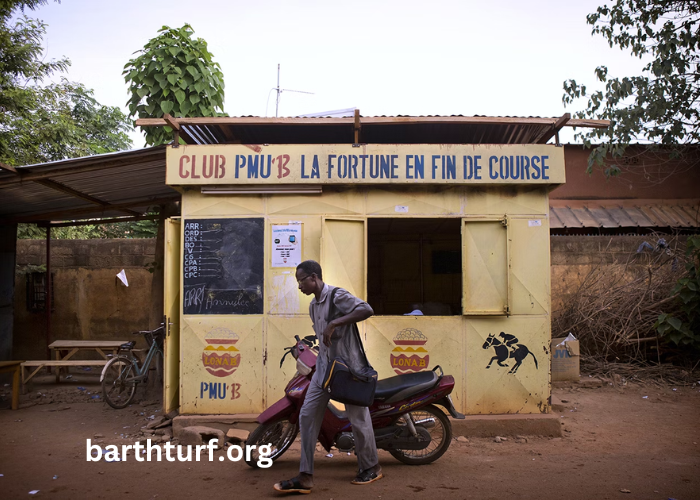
328, 333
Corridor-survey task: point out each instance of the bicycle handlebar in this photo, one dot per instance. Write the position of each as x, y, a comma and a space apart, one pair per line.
145, 332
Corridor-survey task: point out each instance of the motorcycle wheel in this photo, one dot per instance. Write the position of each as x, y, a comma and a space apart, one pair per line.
280, 435
440, 433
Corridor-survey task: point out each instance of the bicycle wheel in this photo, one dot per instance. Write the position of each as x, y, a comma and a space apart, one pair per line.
116, 390
433, 420
280, 435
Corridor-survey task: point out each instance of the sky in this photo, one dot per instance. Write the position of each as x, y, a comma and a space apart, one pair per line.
391, 57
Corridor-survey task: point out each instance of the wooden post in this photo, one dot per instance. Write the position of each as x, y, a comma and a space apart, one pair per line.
47, 294
157, 286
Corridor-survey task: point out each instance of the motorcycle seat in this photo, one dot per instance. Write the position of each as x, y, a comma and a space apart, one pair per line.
401, 387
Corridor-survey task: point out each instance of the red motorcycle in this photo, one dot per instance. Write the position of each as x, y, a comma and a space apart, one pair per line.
405, 419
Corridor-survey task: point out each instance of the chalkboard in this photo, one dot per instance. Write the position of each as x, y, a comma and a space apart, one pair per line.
223, 266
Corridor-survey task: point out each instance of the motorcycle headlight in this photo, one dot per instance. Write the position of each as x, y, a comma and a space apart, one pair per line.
302, 368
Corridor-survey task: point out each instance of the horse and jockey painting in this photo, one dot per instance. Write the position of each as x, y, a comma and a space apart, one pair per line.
507, 348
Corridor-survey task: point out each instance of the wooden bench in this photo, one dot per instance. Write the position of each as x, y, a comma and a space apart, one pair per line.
65, 349
39, 364
15, 367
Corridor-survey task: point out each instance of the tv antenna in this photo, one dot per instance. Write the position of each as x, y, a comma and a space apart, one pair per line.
279, 91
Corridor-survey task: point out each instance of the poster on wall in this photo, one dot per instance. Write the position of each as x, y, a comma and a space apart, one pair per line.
286, 245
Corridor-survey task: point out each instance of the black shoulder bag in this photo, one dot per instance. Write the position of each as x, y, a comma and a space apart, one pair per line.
341, 383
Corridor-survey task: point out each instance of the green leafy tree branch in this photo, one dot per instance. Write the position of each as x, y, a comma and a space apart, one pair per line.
662, 105
40, 123
174, 73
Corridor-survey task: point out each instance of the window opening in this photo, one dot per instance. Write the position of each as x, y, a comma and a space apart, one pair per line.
36, 291
414, 264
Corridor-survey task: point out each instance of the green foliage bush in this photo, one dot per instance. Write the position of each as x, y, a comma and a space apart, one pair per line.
683, 328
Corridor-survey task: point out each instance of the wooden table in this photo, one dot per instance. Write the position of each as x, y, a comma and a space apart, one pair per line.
65, 349
13, 366
70, 347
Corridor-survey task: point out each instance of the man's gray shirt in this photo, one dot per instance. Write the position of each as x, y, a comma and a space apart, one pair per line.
345, 344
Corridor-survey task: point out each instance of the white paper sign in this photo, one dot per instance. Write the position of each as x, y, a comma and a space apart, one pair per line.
122, 276
401, 209
286, 245
534, 223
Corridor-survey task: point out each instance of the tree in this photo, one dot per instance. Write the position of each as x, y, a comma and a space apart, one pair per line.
173, 74
662, 105
98, 230
59, 121
41, 123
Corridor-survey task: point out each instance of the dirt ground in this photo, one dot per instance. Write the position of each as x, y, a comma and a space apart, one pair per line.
633, 442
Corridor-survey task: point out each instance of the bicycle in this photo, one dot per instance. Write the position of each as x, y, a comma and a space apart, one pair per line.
122, 373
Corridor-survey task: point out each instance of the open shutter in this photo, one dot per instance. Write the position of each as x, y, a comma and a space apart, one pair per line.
485, 261
172, 303
343, 256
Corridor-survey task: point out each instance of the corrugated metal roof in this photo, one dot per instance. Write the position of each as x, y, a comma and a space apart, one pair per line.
109, 185
128, 183
455, 129
624, 214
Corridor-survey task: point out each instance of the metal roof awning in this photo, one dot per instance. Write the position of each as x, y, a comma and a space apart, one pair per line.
101, 186
624, 213
369, 129
127, 183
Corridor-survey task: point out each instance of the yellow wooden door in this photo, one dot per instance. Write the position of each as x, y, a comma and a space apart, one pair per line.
343, 257
171, 302
485, 266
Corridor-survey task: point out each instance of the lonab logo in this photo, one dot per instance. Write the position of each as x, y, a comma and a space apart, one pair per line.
409, 355
220, 357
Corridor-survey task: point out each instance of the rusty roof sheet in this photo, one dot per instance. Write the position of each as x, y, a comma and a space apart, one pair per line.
109, 185
624, 214
455, 129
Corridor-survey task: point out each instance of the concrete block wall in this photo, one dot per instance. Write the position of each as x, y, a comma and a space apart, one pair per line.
89, 301
574, 257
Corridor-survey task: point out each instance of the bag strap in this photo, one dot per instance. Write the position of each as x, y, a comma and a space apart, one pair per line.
332, 311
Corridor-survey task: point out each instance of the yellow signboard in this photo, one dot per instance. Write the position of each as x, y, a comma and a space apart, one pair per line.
365, 164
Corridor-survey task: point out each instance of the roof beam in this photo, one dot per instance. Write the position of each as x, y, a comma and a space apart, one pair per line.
65, 189
376, 120
588, 123
90, 222
88, 211
8, 168
172, 122
554, 130
62, 168
77, 194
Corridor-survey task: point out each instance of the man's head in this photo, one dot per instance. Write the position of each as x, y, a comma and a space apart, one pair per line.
310, 277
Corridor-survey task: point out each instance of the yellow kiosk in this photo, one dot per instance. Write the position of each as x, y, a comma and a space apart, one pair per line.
449, 243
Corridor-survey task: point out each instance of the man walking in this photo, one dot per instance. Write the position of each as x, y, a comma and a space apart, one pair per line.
335, 340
